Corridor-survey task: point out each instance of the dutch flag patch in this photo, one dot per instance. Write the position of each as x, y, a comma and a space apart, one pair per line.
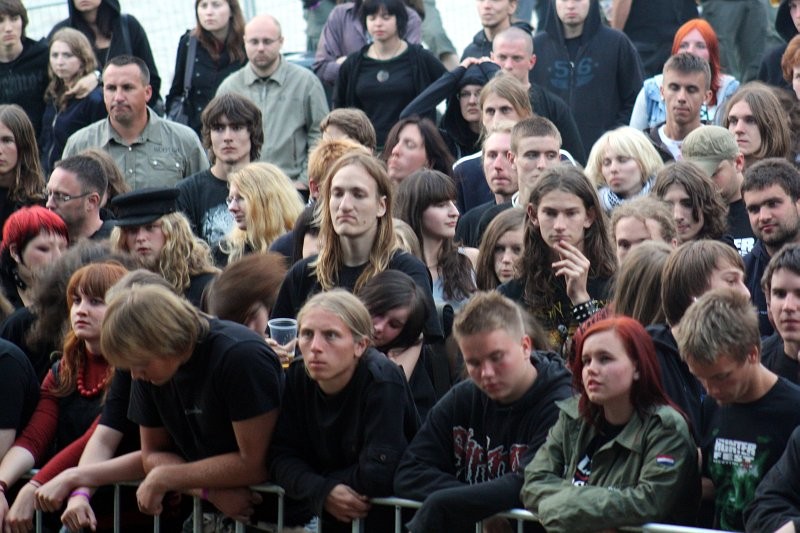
665, 460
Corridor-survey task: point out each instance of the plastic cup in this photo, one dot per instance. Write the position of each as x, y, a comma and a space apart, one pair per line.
283, 330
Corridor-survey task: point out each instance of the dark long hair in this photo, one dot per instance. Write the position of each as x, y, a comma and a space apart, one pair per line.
535, 267
234, 41
646, 391
390, 290
414, 195
436, 150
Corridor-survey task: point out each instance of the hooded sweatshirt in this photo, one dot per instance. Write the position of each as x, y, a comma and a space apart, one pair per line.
481, 46
770, 70
23, 81
467, 460
599, 83
137, 44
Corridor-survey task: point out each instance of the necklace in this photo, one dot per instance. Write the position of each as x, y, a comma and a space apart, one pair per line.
89, 393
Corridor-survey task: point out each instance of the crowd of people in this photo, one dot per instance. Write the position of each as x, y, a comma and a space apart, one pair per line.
576, 290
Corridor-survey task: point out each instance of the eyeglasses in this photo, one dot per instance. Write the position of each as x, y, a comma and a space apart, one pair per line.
465, 95
230, 200
61, 198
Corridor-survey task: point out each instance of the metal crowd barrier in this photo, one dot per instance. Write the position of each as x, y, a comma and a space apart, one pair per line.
519, 516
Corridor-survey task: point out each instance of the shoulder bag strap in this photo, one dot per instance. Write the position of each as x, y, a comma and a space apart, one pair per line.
189, 70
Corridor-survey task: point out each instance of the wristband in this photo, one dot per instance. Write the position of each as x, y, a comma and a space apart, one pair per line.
3, 487
204, 494
583, 311
85, 494
35, 483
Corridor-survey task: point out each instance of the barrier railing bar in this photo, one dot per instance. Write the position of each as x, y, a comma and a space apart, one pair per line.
117, 489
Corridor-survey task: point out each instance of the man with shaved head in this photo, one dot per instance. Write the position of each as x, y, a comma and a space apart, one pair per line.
291, 98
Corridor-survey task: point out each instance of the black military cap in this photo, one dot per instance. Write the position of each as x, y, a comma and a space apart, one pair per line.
144, 205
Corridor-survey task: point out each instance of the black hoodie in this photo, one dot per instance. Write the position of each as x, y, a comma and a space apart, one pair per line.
23, 81
467, 460
138, 44
770, 70
600, 83
481, 46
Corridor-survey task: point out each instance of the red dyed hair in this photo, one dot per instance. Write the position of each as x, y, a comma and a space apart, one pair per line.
647, 391
712, 44
27, 223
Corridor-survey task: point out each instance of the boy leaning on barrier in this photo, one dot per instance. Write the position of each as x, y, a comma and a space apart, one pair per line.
466, 462
206, 395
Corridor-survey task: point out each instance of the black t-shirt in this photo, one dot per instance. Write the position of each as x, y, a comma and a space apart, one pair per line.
740, 444
202, 200
583, 470
773, 356
301, 283
19, 387
739, 227
384, 89
115, 412
231, 376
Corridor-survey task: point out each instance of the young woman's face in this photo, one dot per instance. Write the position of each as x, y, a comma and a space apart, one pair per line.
65, 64
608, 372
694, 44
145, 242
237, 205
796, 81
42, 250
86, 316
468, 98
213, 15
506, 253
387, 327
439, 220
382, 26
408, 155
9, 155
87, 5
622, 173
330, 353
688, 226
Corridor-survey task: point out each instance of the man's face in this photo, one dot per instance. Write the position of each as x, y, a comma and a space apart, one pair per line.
682, 212
262, 43
73, 211
774, 217
561, 217
125, 94
726, 380
727, 179
230, 142
10, 30
742, 123
534, 155
514, 57
496, 361
572, 13
496, 13
500, 176
783, 301
684, 94
355, 205
630, 232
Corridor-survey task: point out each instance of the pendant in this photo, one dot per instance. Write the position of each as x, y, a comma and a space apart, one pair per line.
382, 76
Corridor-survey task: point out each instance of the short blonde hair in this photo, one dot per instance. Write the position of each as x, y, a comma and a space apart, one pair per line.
132, 322
488, 311
628, 142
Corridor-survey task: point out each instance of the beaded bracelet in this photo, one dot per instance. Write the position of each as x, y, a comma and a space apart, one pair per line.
583, 311
80, 493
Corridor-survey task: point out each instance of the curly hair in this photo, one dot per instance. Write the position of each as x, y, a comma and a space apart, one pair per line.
182, 256
703, 195
535, 262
